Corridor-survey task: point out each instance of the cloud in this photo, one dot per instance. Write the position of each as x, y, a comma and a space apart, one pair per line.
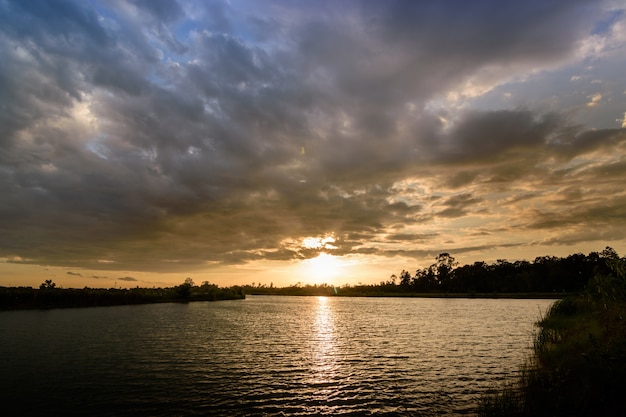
169, 136
165, 11
130, 279
594, 100
458, 205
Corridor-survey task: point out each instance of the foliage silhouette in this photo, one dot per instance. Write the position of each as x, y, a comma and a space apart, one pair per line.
579, 363
184, 289
546, 276
47, 285
51, 297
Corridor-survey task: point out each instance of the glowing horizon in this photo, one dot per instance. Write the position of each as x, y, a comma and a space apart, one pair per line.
238, 142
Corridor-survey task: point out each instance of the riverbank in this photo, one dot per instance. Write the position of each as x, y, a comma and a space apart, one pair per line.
20, 298
578, 367
372, 291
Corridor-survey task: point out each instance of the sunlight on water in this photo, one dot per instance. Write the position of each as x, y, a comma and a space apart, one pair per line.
323, 344
264, 356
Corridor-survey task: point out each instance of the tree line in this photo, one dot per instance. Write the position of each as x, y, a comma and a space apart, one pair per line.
546, 275
50, 296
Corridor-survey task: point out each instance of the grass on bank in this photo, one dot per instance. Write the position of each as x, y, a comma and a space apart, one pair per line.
578, 367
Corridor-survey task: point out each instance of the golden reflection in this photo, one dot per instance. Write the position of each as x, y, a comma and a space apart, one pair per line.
324, 355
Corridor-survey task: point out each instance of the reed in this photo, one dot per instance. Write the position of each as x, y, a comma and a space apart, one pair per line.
578, 366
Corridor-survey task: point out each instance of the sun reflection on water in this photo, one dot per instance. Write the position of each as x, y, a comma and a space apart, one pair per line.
323, 345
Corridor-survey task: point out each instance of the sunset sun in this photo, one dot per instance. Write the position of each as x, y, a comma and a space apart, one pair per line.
143, 142
322, 269
313, 208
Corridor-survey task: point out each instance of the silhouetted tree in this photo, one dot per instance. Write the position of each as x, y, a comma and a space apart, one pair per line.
544, 274
393, 278
184, 289
47, 285
405, 279
425, 280
444, 266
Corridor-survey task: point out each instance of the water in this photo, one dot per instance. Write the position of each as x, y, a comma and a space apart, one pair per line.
264, 356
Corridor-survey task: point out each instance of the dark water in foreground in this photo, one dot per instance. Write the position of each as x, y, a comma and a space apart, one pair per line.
264, 356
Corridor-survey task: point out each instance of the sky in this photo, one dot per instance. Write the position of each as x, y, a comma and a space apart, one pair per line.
280, 141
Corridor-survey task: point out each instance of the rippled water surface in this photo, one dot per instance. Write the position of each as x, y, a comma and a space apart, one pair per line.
264, 356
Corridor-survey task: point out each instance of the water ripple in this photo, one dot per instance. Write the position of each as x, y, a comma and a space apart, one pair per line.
265, 356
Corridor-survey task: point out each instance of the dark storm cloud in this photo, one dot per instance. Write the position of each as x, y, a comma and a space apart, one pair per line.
488, 134
156, 135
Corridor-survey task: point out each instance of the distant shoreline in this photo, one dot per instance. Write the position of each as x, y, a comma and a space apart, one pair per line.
26, 298
521, 296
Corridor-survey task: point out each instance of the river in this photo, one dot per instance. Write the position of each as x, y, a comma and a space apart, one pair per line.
264, 356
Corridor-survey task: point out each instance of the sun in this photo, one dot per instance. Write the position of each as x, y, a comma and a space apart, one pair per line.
324, 268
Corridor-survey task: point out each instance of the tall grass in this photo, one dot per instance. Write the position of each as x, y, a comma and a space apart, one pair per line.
578, 366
